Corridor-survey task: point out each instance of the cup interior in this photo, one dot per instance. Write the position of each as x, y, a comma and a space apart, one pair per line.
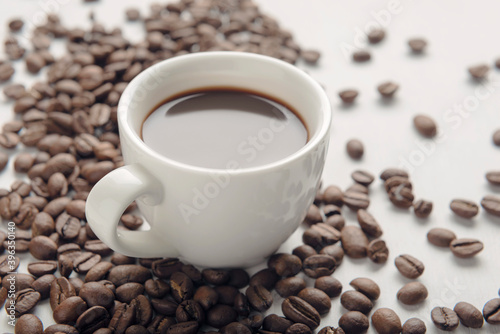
260, 74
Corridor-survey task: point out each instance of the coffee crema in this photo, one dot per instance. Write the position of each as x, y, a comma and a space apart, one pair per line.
224, 128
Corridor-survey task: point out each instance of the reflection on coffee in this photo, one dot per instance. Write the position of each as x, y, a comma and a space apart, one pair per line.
224, 129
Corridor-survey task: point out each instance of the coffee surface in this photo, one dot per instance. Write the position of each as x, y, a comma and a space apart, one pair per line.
224, 129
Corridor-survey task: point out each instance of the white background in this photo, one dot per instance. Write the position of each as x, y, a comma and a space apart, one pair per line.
460, 34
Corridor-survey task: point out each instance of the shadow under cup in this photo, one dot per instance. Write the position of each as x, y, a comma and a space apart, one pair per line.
226, 217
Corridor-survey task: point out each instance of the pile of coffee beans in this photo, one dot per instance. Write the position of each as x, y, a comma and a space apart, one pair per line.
70, 119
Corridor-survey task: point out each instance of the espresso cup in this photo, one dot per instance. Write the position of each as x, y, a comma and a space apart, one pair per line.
232, 217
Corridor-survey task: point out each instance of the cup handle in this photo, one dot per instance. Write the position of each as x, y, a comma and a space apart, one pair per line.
107, 201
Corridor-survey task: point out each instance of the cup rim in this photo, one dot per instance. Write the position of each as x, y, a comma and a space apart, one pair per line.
127, 98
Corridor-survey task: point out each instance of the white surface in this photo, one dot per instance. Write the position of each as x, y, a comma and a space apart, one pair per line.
460, 34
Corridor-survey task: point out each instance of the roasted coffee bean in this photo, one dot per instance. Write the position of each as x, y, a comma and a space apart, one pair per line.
65, 263
60, 289
143, 310
42, 285
190, 327
310, 56
466, 247
134, 329
409, 266
221, 315
464, 208
206, 296
334, 251
298, 329
290, 286
376, 36
18, 280
316, 298
164, 268
320, 235
304, 251
313, 215
34, 62
496, 137
331, 330
9, 139
469, 315
91, 320
43, 248
479, 71
41, 268
97, 247
491, 311
259, 297
387, 89
181, 287
491, 204
493, 177
356, 200
361, 56
401, 196
226, 294
275, 323
77, 283
96, 294
189, 310
425, 125
10, 205
8, 263
83, 263
354, 242
123, 317
355, 149
414, 326
422, 208
23, 162
238, 278
61, 328
265, 277
69, 310
412, 293
319, 265
285, 264
128, 273
356, 301
362, 177
367, 287
131, 222
132, 14
298, 310
348, 96
129, 291
98, 272
417, 45
444, 318
156, 288
67, 226
160, 324
28, 324
354, 322
24, 301
329, 285
164, 306
4, 159
368, 224
118, 259
386, 321
441, 237
55, 207
333, 195
395, 181
241, 305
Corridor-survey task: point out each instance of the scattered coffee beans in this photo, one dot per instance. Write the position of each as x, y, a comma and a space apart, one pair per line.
355, 149
466, 247
387, 89
441, 237
444, 318
425, 125
386, 321
409, 266
348, 95
417, 45
377, 251
412, 293
367, 287
464, 208
422, 208
414, 326
469, 315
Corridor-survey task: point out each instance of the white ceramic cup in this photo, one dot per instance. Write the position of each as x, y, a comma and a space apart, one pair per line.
232, 217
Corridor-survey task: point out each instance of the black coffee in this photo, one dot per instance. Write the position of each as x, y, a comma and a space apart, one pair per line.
224, 129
